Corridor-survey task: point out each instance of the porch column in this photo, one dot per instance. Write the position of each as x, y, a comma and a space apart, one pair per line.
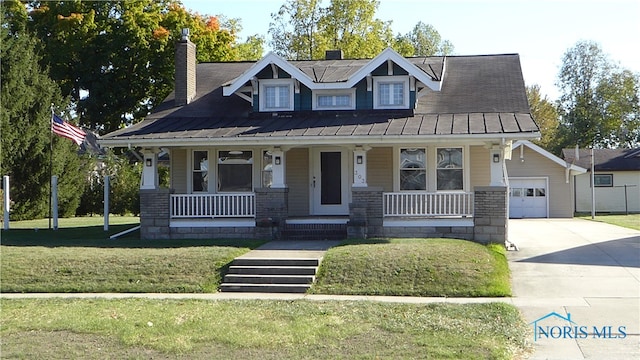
155, 213
149, 169
277, 169
360, 166
496, 163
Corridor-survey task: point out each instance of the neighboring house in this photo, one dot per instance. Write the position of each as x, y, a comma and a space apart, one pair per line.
617, 179
389, 146
540, 183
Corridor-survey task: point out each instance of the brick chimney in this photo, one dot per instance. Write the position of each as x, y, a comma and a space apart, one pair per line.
333, 55
185, 70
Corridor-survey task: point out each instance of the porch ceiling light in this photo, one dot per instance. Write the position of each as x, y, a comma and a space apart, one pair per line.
235, 152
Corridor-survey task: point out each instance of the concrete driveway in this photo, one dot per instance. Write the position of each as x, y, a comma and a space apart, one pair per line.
578, 283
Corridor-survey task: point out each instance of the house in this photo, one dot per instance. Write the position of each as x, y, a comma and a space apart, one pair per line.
381, 147
540, 183
617, 179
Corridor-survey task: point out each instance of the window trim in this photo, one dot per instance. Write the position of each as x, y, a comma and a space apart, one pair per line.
350, 92
463, 167
263, 164
398, 168
377, 80
252, 163
192, 170
610, 176
276, 82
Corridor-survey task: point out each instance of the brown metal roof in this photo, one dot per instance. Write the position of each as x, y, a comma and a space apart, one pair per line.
481, 95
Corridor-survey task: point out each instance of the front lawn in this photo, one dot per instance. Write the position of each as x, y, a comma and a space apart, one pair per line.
631, 221
415, 267
80, 257
194, 329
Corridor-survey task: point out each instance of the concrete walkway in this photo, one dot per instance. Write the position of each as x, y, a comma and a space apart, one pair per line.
587, 269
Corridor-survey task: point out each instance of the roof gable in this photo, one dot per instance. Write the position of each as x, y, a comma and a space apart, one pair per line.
548, 155
346, 81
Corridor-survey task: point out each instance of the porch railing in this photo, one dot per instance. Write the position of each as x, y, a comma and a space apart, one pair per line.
428, 204
213, 205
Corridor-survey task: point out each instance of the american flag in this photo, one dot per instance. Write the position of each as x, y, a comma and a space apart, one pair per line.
64, 129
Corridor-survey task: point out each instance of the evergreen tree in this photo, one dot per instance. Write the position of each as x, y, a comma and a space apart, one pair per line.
25, 114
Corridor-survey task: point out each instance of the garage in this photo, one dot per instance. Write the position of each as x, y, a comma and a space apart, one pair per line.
528, 198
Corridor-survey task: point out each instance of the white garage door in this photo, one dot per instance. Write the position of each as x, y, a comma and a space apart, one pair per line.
527, 198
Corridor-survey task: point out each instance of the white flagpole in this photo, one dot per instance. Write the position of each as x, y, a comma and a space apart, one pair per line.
593, 186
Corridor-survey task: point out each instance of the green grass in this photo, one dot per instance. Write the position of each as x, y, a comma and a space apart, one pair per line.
631, 221
415, 267
79, 257
192, 329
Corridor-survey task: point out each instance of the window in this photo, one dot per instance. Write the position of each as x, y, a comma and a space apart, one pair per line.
413, 174
603, 180
334, 100
276, 95
449, 169
200, 174
267, 173
234, 171
391, 92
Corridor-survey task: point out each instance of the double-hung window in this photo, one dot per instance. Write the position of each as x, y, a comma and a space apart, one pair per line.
267, 169
235, 170
449, 169
276, 95
391, 92
413, 169
200, 172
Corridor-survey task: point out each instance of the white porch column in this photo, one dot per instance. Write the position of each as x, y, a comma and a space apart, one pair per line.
360, 167
149, 169
496, 160
277, 169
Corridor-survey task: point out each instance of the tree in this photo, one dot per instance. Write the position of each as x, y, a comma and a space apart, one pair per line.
545, 114
303, 29
115, 58
351, 26
426, 41
599, 101
25, 114
252, 49
618, 98
294, 32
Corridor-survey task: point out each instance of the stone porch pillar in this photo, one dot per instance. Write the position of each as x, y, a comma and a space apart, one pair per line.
272, 209
491, 211
155, 214
365, 213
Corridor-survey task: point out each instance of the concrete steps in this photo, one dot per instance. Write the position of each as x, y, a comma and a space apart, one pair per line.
270, 275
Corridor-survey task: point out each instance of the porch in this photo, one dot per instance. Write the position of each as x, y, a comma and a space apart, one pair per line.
242, 206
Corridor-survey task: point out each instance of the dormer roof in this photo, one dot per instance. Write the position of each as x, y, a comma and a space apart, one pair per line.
314, 75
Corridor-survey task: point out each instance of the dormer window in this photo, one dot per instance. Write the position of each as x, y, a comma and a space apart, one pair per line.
276, 95
391, 92
334, 99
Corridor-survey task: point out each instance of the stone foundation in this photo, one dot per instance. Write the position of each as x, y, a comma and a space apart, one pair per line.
453, 232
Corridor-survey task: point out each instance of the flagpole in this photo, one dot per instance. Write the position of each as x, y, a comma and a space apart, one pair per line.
50, 160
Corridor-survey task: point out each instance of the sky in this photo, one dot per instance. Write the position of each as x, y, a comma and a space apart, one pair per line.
540, 31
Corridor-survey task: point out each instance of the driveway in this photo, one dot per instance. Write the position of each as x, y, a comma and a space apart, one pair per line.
586, 276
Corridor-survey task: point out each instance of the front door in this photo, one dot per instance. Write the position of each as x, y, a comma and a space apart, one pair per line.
329, 182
